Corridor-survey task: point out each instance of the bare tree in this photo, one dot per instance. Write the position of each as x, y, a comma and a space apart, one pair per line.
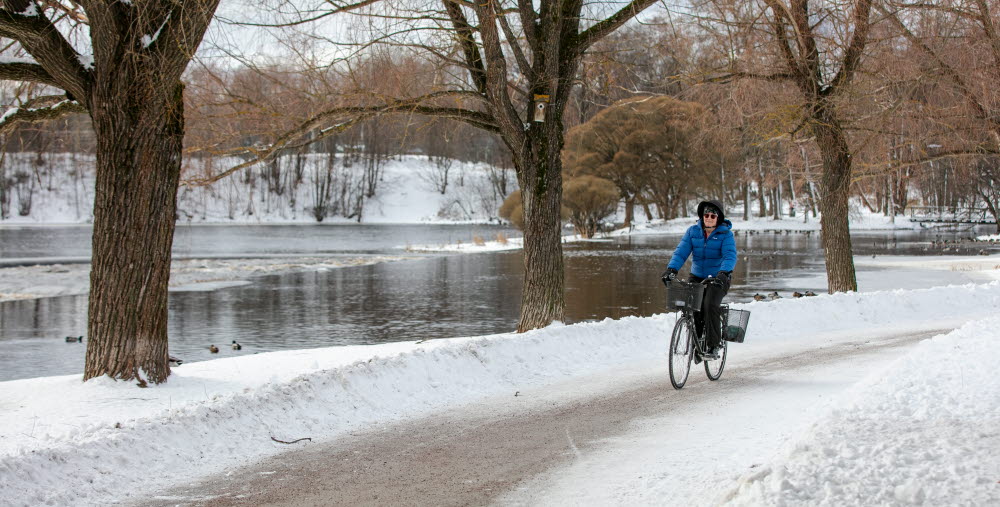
817, 48
517, 62
987, 186
131, 89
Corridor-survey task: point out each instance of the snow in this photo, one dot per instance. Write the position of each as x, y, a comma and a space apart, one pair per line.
404, 194
18, 59
67, 442
149, 40
49, 280
14, 110
990, 237
922, 431
86, 60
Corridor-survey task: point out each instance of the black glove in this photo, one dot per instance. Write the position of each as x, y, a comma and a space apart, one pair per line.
722, 276
668, 276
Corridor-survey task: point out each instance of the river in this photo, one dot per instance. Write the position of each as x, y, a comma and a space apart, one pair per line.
432, 296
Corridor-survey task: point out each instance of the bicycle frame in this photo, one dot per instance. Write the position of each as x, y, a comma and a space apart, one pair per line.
687, 312
687, 299
700, 344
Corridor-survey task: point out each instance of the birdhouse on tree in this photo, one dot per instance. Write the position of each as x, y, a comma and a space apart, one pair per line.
541, 102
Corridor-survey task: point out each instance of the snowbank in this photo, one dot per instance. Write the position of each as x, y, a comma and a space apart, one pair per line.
986, 265
67, 442
990, 237
924, 431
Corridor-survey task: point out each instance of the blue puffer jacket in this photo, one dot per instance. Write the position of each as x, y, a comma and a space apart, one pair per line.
711, 255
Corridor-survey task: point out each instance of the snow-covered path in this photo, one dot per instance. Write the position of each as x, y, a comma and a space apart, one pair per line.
621, 437
712, 433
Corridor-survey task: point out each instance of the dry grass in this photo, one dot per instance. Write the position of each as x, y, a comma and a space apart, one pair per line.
501, 238
479, 241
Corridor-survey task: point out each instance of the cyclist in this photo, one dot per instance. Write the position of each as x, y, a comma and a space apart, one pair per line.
714, 256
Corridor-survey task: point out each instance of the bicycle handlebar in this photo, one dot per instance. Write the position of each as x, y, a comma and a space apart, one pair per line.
708, 281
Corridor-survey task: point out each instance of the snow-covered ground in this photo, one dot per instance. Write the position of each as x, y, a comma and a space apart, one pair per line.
38, 281
989, 237
922, 431
405, 192
66, 442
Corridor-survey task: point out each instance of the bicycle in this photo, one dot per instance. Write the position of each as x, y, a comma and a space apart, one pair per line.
685, 341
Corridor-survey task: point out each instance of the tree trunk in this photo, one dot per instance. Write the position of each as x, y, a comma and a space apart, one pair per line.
722, 181
138, 169
629, 213
776, 202
833, 204
542, 297
746, 201
762, 205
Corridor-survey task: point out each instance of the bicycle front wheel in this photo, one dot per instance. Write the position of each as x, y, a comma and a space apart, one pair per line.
713, 367
681, 352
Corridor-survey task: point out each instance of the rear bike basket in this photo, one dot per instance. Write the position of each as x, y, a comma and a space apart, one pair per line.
735, 325
682, 295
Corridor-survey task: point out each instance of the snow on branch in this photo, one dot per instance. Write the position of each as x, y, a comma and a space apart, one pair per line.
149, 40
17, 59
16, 115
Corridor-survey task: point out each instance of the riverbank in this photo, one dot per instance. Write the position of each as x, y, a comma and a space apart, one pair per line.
863, 221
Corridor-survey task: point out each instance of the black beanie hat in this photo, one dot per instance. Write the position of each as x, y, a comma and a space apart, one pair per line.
704, 206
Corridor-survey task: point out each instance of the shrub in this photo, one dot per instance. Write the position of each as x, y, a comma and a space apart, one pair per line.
589, 200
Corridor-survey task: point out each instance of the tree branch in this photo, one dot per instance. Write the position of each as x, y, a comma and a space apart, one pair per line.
529, 23
781, 17
180, 32
727, 78
467, 40
356, 115
46, 45
950, 71
504, 113
598, 31
26, 71
852, 57
522, 61
10, 120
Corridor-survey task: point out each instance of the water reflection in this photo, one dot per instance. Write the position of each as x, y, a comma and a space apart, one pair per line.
434, 297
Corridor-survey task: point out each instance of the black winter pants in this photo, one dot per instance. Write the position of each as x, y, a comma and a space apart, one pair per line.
711, 313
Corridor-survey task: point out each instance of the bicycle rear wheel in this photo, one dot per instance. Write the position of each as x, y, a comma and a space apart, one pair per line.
713, 367
680, 353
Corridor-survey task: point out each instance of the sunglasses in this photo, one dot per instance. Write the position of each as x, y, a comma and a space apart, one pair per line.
710, 215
